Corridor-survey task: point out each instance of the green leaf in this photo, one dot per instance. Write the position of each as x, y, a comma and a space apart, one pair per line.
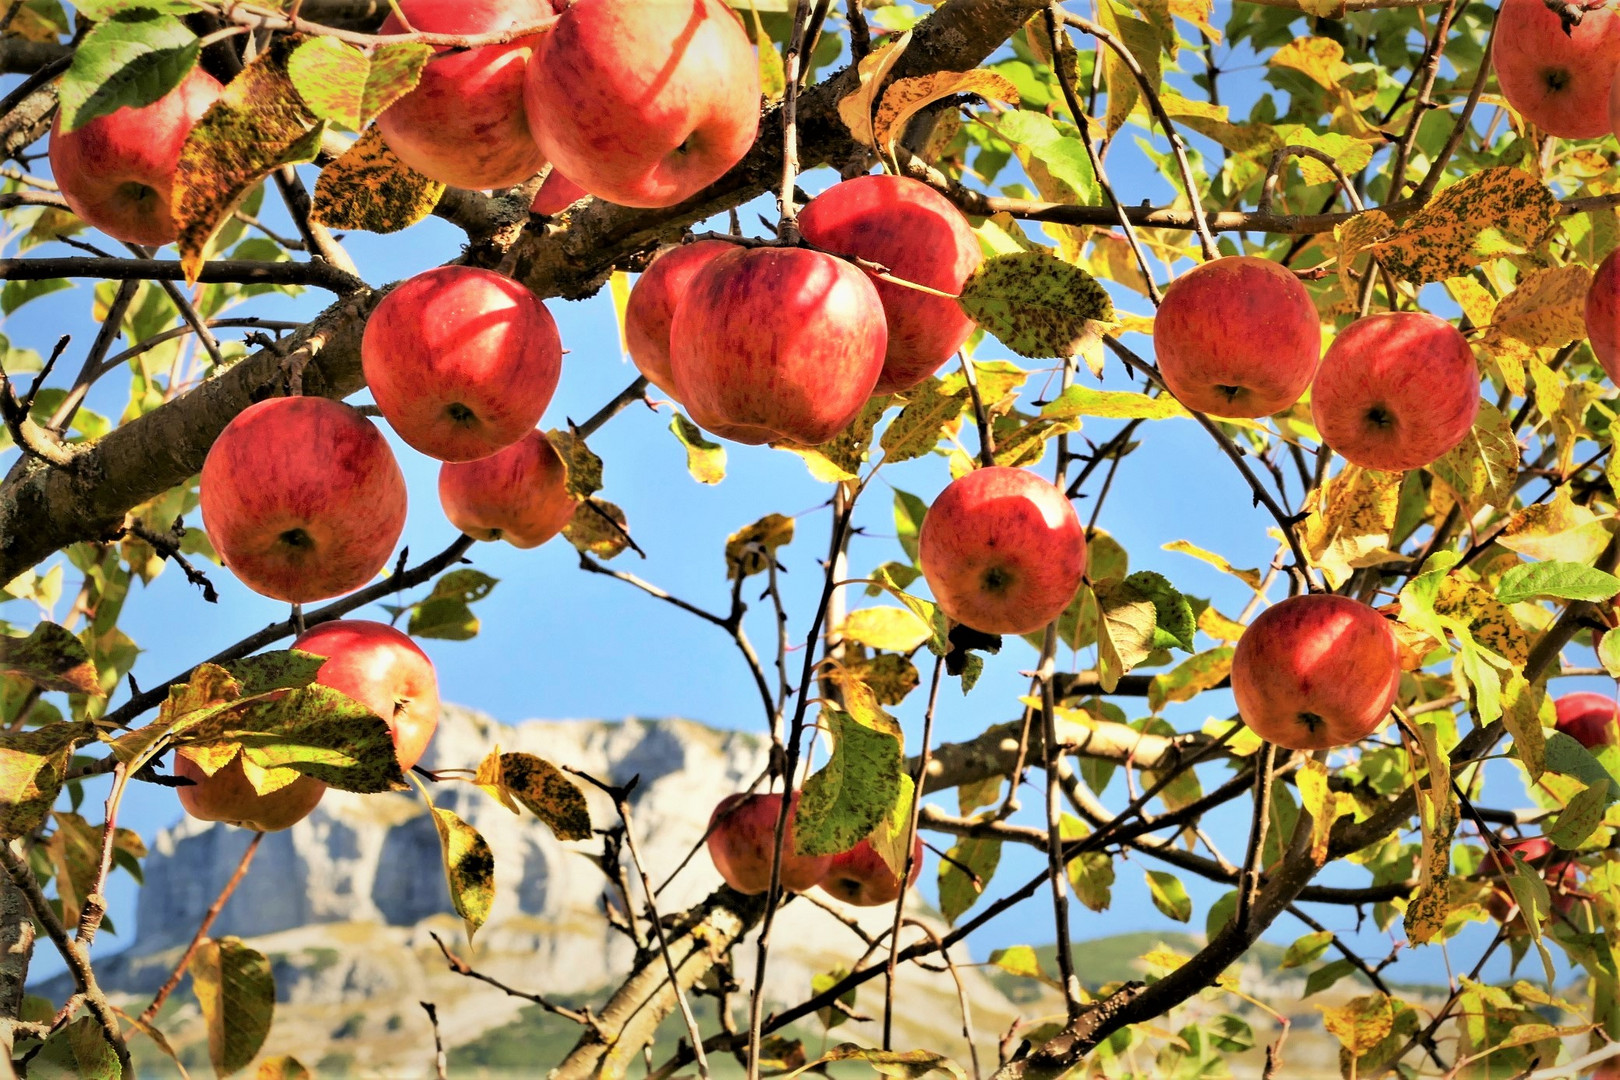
284, 670
1326, 975
1307, 949
1053, 154
548, 794
97, 10
444, 619
1126, 626
909, 512
79, 1051
237, 992
1568, 757
705, 460
52, 658
133, 58
1581, 818
1608, 651
17, 293
1191, 677
859, 785
1556, 580
958, 891
1037, 305
330, 77
1175, 624
469, 869
1018, 960
396, 67
33, 766
1169, 895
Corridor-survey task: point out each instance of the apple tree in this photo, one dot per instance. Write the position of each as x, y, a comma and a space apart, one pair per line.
1381, 296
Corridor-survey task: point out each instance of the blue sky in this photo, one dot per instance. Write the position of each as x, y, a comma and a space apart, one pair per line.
560, 643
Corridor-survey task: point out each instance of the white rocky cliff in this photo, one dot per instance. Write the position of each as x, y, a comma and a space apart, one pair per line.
344, 901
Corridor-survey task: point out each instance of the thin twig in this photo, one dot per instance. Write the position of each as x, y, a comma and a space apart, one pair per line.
440, 1062
911, 853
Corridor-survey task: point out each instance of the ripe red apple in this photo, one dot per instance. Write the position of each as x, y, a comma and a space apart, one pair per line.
651, 310
1316, 671
860, 876
464, 123
556, 194
916, 234
228, 796
1559, 82
302, 498
1396, 391
1002, 550
1237, 337
462, 361
383, 670
742, 843
777, 345
645, 102
519, 495
117, 171
1603, 315
1591, 719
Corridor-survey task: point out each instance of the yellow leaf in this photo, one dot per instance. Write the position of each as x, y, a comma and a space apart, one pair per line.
1547, 309
1559, 530
855, 108
1349, 522
1251, 578
1360, 1024
891, 629
1482, 470
1319, 59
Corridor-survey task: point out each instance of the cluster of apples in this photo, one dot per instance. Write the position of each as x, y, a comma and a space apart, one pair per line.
742, 845
1239, 337
374, 664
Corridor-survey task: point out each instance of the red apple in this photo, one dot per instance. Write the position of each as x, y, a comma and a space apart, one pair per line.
1396, 391
860, 876
1559, 82
464, 123
645, 102
1593, 720
742, 843
915, 233
1315, 672
228, 796
556, 194
1603, 315
1002, 550
519, 495
777, 345
462, 361
383, 670
302, 498
651, 310
1237, 337
117, 171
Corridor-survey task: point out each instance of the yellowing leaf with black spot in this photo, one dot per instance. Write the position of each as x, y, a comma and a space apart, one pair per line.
341, 83
999, 382
371, 190
1077, 401
890, 676
905, 98
1190, 678
258, 125
1438, 814
855, 108
705, 459
901, 1064
74, 848
1547, 309
1561, 530
598, 528
33, 766
860, 784
1127, 619
584, 467
1491, 623
52, 658
1354, 238
1563, 403
1498, 211
237, 992
1142, 42
1349, 522
1037, 305
750, 550
929, 415
1021, 440
469, 869
1482, 470
1522, 705
547, 793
